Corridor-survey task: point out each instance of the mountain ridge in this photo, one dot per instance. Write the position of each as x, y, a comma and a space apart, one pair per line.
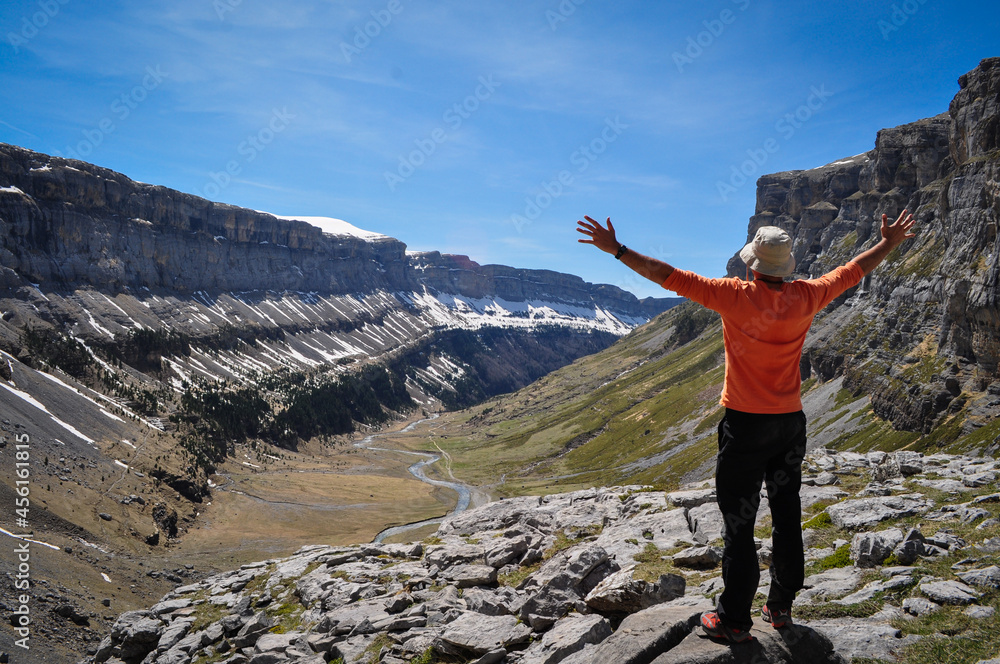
69, 223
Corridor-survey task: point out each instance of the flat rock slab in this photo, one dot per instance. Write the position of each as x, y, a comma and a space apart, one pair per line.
698, 557
665, 530
949, 592
643, 635
467, 576
948, 486
482, 634
866, 512
621, 593
567, 637
829, 584
810, 495
979, 612
787, 646
919, 606
863, 639
988, 577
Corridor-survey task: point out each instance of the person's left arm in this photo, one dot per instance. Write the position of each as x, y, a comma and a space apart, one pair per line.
892, 236
604, 239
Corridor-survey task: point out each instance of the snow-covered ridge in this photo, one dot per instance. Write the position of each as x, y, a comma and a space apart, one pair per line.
332, 226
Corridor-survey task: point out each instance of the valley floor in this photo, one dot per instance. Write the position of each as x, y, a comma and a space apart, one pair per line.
262, 506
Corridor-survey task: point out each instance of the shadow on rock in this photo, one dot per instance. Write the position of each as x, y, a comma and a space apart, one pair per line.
794, 645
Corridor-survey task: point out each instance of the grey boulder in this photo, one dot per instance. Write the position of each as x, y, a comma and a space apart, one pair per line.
622, 593
949, 592
988, 577
567, 637
866, 512
871, 549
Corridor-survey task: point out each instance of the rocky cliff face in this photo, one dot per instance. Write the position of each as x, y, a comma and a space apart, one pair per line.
68, 224
89, 253
459, 274
920, 335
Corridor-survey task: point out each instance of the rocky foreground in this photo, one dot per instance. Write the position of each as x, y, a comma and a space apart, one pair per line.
902, 556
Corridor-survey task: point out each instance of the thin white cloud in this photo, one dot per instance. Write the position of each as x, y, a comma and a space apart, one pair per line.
17, 129
262, 185
523, 244
660, 182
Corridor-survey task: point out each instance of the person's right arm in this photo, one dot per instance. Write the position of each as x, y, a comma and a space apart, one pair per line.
892, 236
604, 239
716, 294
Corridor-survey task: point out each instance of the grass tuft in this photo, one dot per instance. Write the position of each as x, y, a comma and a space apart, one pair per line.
821, 520
839, 558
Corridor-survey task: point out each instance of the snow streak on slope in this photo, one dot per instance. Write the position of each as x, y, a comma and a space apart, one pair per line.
301, 331
34, 402
473, 313
239, 337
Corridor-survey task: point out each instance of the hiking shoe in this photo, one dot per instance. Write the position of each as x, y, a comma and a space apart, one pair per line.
713, 626
777, 617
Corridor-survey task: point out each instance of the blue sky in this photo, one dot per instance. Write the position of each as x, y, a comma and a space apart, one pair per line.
484, 128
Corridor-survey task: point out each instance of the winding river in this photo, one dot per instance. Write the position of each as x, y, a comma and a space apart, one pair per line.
417, 470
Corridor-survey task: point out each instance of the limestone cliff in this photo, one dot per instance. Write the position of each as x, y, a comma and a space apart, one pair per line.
65, 223
921, 335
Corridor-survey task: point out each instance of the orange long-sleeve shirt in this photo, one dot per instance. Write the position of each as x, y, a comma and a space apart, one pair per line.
764, 330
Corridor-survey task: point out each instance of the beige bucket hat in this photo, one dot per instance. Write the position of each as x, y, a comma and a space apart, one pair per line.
770, 252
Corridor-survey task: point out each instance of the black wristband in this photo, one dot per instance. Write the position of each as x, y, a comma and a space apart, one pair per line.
621, 252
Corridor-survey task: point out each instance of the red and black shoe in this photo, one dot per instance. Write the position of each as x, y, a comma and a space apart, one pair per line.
779, 618
714, 627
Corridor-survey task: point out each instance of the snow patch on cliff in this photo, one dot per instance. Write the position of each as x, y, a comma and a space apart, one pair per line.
334, 226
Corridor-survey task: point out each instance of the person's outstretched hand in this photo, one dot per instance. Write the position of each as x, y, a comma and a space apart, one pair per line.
601, 237
899, 230
892, 236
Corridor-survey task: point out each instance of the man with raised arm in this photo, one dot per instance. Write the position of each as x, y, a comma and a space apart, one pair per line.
762, 436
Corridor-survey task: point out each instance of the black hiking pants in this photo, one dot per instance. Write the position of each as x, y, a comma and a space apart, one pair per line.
753, 450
